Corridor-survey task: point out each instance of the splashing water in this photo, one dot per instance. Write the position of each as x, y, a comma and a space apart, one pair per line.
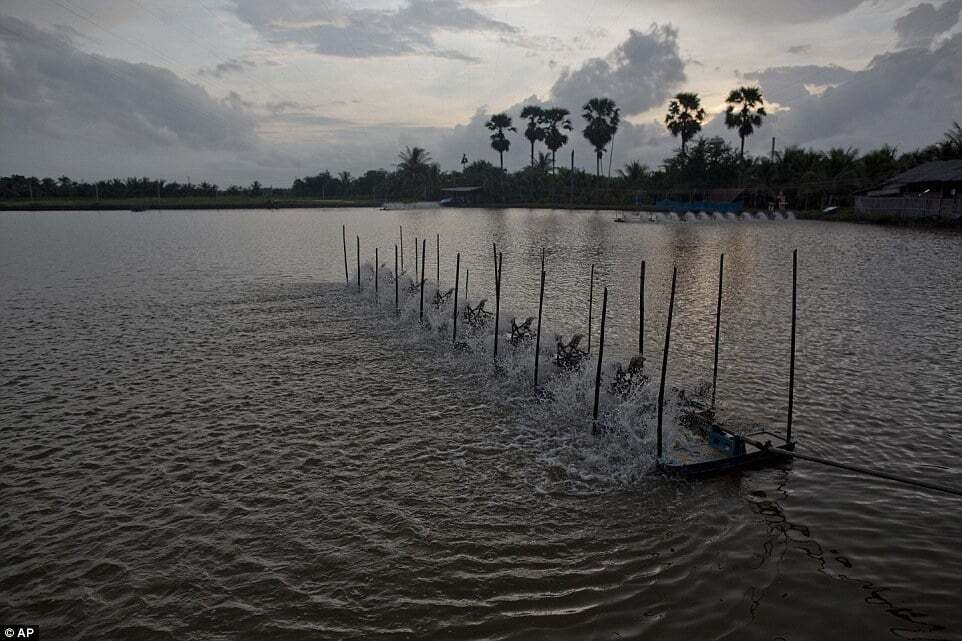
553, 423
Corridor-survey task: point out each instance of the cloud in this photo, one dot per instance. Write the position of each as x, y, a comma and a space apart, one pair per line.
227, 67
923, 22
640, 73
907, 98
788, 85
773, 11
337, 30
53, 89
798, 50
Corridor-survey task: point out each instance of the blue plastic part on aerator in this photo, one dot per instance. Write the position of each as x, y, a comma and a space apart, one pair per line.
732, 445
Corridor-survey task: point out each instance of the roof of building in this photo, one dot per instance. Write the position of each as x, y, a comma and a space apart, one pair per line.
937, 171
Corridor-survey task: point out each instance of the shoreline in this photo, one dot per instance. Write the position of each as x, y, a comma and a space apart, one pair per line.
846, 215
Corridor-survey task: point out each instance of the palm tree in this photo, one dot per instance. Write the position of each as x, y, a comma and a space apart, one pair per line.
555, 122
414, 166
743, 114
414, 161
634, 172
534, 131
603, 117
685, 116
543, 162
499, 123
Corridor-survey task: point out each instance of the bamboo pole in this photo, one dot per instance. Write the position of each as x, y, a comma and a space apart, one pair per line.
438, 260
376, 263
358, 263
457, 278
397, 279
641, 312
347, 278
537, 343
497, 304
664, 360
591, 295
401, 227
467, 275
714, 374
423, 253
791, 367
601, 355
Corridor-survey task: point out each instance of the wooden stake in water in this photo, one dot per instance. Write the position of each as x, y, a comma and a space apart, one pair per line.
497, 304
402, 250
347, 278
601, 355
591, 296
791, 367
537, 342
641, 312
376, 263
467, 274
714, 374
397, 278
439, 262
358, 263
423, 254
664, 360
415, 256
457, 278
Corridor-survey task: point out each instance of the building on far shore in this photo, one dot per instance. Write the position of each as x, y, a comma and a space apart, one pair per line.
461, 195
931, 190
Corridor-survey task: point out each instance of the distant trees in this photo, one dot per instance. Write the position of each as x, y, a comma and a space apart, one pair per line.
745, 111
603, 117
500, 123
684, 117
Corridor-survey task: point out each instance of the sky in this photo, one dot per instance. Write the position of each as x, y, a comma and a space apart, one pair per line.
231, 91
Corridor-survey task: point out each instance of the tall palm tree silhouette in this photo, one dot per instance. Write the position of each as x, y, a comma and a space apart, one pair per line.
685, 116
745, 112
534, 131
603, 116
500, 123
556, 122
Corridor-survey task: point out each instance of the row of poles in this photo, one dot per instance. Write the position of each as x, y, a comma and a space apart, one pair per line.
498, 271
498, 264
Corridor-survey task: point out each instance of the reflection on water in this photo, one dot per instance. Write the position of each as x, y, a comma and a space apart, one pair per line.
207, 436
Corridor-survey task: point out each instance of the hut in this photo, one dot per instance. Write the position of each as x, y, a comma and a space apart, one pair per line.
931, 190
461, 195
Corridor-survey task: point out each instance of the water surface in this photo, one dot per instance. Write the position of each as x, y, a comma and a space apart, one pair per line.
206, 435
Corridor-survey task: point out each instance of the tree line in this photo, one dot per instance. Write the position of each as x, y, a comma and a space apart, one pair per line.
807, 177
30, 187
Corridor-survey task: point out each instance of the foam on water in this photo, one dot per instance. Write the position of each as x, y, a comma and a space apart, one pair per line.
553, 423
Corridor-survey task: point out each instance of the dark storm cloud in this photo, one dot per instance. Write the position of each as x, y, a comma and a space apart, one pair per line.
52, 89
923, 22
638, 74
363, 33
